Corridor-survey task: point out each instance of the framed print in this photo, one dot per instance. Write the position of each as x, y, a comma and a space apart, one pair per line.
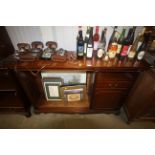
73, 93
52, 88
70, 78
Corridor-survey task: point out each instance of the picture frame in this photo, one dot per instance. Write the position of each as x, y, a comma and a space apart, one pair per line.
52, 88
73, 93
69, 78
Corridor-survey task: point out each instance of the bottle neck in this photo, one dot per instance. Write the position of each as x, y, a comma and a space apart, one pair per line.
97, 29
103, 35
80, 34
122, 36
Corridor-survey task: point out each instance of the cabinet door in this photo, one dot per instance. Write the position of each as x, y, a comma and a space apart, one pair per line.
6, 47
108, 99
110, 89
142, 97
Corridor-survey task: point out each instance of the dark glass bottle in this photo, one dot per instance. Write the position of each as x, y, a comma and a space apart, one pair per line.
102, 44
120, 42
90, 45
142, 49
80, 45
137, 43
127, 43
113, 37
133, 49
141, 39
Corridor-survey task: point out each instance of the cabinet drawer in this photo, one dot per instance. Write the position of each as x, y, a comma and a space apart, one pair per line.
114, 80
100, 77
108, 99
114, 84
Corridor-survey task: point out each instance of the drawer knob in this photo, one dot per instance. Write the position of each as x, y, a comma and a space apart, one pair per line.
110, 85
116, 85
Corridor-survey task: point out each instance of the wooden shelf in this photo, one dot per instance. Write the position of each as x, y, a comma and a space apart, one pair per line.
6, 83
9, 99
63, 106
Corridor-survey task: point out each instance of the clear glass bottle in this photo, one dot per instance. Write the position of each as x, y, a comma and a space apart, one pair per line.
86, 39
90, 45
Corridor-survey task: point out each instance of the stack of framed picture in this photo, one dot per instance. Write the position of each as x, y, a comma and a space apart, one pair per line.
73, 93
66, 86
52, 88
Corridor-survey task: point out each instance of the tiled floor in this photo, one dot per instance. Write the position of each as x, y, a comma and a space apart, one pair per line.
70, 121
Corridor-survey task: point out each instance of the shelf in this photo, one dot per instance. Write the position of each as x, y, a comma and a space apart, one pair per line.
6, 82
63, 106
9, 99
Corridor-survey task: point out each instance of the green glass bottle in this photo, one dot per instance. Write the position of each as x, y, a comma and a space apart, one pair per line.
120, 42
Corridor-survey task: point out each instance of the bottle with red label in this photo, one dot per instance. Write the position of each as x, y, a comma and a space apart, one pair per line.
120, 42
127, 43
96, 38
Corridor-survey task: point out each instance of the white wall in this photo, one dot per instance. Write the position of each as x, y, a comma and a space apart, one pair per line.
65, 36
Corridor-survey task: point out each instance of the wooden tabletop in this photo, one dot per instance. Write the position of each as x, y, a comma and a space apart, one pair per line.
93, 64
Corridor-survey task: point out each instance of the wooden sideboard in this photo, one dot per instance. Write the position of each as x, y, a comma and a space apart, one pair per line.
108, 83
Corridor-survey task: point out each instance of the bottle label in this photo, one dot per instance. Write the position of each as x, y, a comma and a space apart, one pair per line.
96, 45
100, 53
140, 55
112, 50
89, 52
112, 54
124, 50
80, 50
119, 46
106, 58
131, 54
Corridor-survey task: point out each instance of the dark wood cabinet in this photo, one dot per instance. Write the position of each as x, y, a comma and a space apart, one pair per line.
6, 47
12, 97
111, 89
108, 99
140, 104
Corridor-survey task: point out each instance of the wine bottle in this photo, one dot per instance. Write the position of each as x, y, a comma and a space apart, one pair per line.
127, 42
80, 44
86, 39
141, 39
135, 45
102, 44
113, 37
96, 38
120, 42
90, 45
142, 49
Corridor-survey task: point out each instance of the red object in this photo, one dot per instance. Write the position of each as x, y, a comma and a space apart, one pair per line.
124, 50
96, 38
